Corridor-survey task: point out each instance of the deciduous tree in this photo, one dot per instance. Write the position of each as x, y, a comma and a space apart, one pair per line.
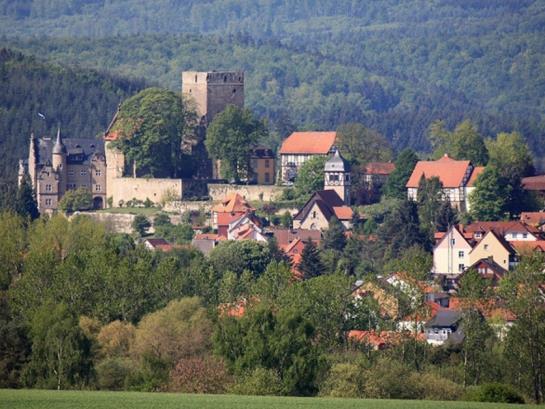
230, 138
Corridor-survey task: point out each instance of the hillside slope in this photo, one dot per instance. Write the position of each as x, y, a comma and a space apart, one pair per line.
81, 101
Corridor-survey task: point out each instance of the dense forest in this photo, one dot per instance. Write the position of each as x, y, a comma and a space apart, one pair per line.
394, 66
81, 101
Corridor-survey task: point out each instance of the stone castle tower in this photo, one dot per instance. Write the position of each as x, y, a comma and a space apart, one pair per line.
337, 176
211, 92
58, 161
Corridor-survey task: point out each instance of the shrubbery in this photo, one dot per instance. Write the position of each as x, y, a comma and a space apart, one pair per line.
494, 392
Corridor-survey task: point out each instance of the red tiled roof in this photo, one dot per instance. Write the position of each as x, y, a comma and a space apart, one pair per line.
534, 182
233, 203
522, 246
379, 168
343, 212
533, 218
477, 170
450, 172
224, 219
111, 136
287, 236
311, 143
500, 227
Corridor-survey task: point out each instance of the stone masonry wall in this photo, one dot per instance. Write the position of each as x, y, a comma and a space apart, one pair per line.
139, 188
266, 193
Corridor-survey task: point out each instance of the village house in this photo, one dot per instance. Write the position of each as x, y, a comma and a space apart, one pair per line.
534, 184
285, 236
375, 175
534, 219
158, 244
246, 227
498, 242
457, 178
488, 269
299, 147
320, 209
230, 209
263, 165
451, 253
206, 242
443, 327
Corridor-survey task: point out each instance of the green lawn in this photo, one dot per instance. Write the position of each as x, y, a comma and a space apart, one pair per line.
38, 399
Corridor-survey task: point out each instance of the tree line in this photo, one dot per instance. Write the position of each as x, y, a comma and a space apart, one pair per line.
85, 308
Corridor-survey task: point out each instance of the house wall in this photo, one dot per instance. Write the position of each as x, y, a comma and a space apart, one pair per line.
451, 253
296, 159
489, 246
263, 167
315, 220
266, 193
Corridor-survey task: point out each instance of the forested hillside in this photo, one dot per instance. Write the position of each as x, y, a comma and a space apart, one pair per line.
394, 65
82, 101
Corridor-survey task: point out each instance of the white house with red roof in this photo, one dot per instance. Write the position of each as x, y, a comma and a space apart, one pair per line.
299, 147
451, 253
456, 176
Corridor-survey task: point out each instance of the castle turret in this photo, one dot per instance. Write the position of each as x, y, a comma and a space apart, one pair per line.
32, 160
58, 161
337, 176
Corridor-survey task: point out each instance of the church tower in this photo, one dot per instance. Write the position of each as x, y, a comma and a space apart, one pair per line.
58, 162
337, 176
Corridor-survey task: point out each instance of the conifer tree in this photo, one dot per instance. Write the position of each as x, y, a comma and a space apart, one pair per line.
311, 265
25, 202
334, 237
446, 216
405, 163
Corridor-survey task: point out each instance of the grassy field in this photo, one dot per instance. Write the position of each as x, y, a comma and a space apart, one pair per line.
38, 399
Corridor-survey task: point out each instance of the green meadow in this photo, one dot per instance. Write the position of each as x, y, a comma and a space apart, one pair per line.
40, 399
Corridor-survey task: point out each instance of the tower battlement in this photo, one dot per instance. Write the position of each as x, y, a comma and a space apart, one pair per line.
212, 91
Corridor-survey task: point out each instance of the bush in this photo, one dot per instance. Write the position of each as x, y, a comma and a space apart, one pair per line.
74, 200
260, 382
390, 380
434, 387
113, 372
343, 381
199, 375
493, 392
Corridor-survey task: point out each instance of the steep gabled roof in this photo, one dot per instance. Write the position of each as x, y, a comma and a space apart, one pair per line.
233, 203
477, 170
504, 243
440, 238
311, 143
326, 200
450, 172
491, 264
